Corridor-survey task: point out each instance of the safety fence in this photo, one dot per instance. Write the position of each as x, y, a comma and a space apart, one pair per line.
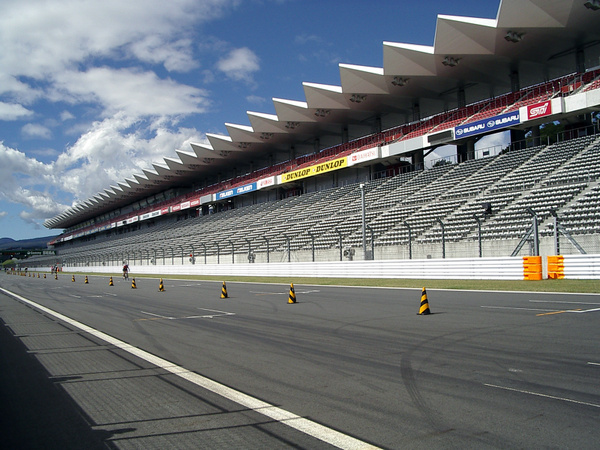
506, 268
577, 267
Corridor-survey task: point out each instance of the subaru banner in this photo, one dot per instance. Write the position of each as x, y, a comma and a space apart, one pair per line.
485, 125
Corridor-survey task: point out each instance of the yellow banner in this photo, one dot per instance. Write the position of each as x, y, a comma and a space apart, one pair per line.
318, 169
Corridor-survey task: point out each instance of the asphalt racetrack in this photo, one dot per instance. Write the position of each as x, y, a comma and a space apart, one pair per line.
343, 367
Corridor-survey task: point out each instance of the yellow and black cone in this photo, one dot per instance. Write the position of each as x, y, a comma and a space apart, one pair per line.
224, 291
55, 276
424, 308
161, 286
73, 278
110, 282
44, 275
86, 280
38, 275
133, 286
292, 297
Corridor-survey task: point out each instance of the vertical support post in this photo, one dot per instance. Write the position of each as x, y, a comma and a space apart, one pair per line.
478, 232
267, 241
312, 239
443, 238
364, 221
340, 235
536, 242
372, 256
556, 235
407, 225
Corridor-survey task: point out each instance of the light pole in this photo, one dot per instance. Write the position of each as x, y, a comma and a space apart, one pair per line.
364, 221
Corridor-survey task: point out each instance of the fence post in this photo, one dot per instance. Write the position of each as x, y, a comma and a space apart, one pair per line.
443, 238
478, 232
407, 225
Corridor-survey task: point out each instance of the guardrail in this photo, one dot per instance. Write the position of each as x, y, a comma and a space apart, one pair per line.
505, 268
575, 267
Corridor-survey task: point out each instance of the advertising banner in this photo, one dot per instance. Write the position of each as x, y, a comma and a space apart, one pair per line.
317, 169
364, 155
236, 191
265, 182
539, 110
485, 125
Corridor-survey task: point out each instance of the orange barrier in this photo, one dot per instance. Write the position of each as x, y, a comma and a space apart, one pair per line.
532, 267
556, 267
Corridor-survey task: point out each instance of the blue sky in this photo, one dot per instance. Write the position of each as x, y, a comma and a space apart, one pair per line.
92, 92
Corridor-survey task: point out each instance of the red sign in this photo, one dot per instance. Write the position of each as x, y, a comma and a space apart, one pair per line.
539, 110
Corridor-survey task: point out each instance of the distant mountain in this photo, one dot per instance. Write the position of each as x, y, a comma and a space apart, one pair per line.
6, 241
24, 244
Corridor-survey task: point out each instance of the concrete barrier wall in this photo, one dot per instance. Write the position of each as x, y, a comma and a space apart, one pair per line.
506, 268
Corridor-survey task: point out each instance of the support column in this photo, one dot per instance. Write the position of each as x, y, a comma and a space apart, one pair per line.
417, 159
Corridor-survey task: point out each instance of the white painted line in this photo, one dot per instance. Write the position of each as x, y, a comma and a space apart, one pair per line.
566, 303
510, 307
593, 363
543, 395
292, 420
585, 310
76, 296
157, 315
222, 313
268, 293
284, 293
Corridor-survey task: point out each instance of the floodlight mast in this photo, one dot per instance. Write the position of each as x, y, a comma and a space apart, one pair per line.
364, 221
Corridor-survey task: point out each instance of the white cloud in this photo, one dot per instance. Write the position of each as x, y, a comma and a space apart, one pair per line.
255, 99
112, 153
239, 64
12, 111
133, 92
34, 130
63, 32
3, 214
66, 115
303, 39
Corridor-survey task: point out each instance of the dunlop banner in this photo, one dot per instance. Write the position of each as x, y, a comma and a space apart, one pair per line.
318, 169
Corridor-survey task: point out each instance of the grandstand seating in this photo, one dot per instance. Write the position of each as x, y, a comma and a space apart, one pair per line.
562, 176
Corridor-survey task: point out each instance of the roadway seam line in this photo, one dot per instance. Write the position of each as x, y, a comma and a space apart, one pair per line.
542, 395
306, 426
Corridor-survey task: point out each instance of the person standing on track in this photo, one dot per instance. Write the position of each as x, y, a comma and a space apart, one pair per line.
125, 272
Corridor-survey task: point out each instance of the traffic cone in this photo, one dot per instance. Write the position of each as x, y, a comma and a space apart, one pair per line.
424, 308
73, 279
110, 282
224, 291
161, 286
56, 276
292, 297
86, 280
38, 275
44, 275
133, 286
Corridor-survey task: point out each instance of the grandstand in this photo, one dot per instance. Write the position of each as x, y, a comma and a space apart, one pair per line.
299, 184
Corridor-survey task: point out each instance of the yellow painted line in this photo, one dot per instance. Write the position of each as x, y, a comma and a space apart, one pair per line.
558, 312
